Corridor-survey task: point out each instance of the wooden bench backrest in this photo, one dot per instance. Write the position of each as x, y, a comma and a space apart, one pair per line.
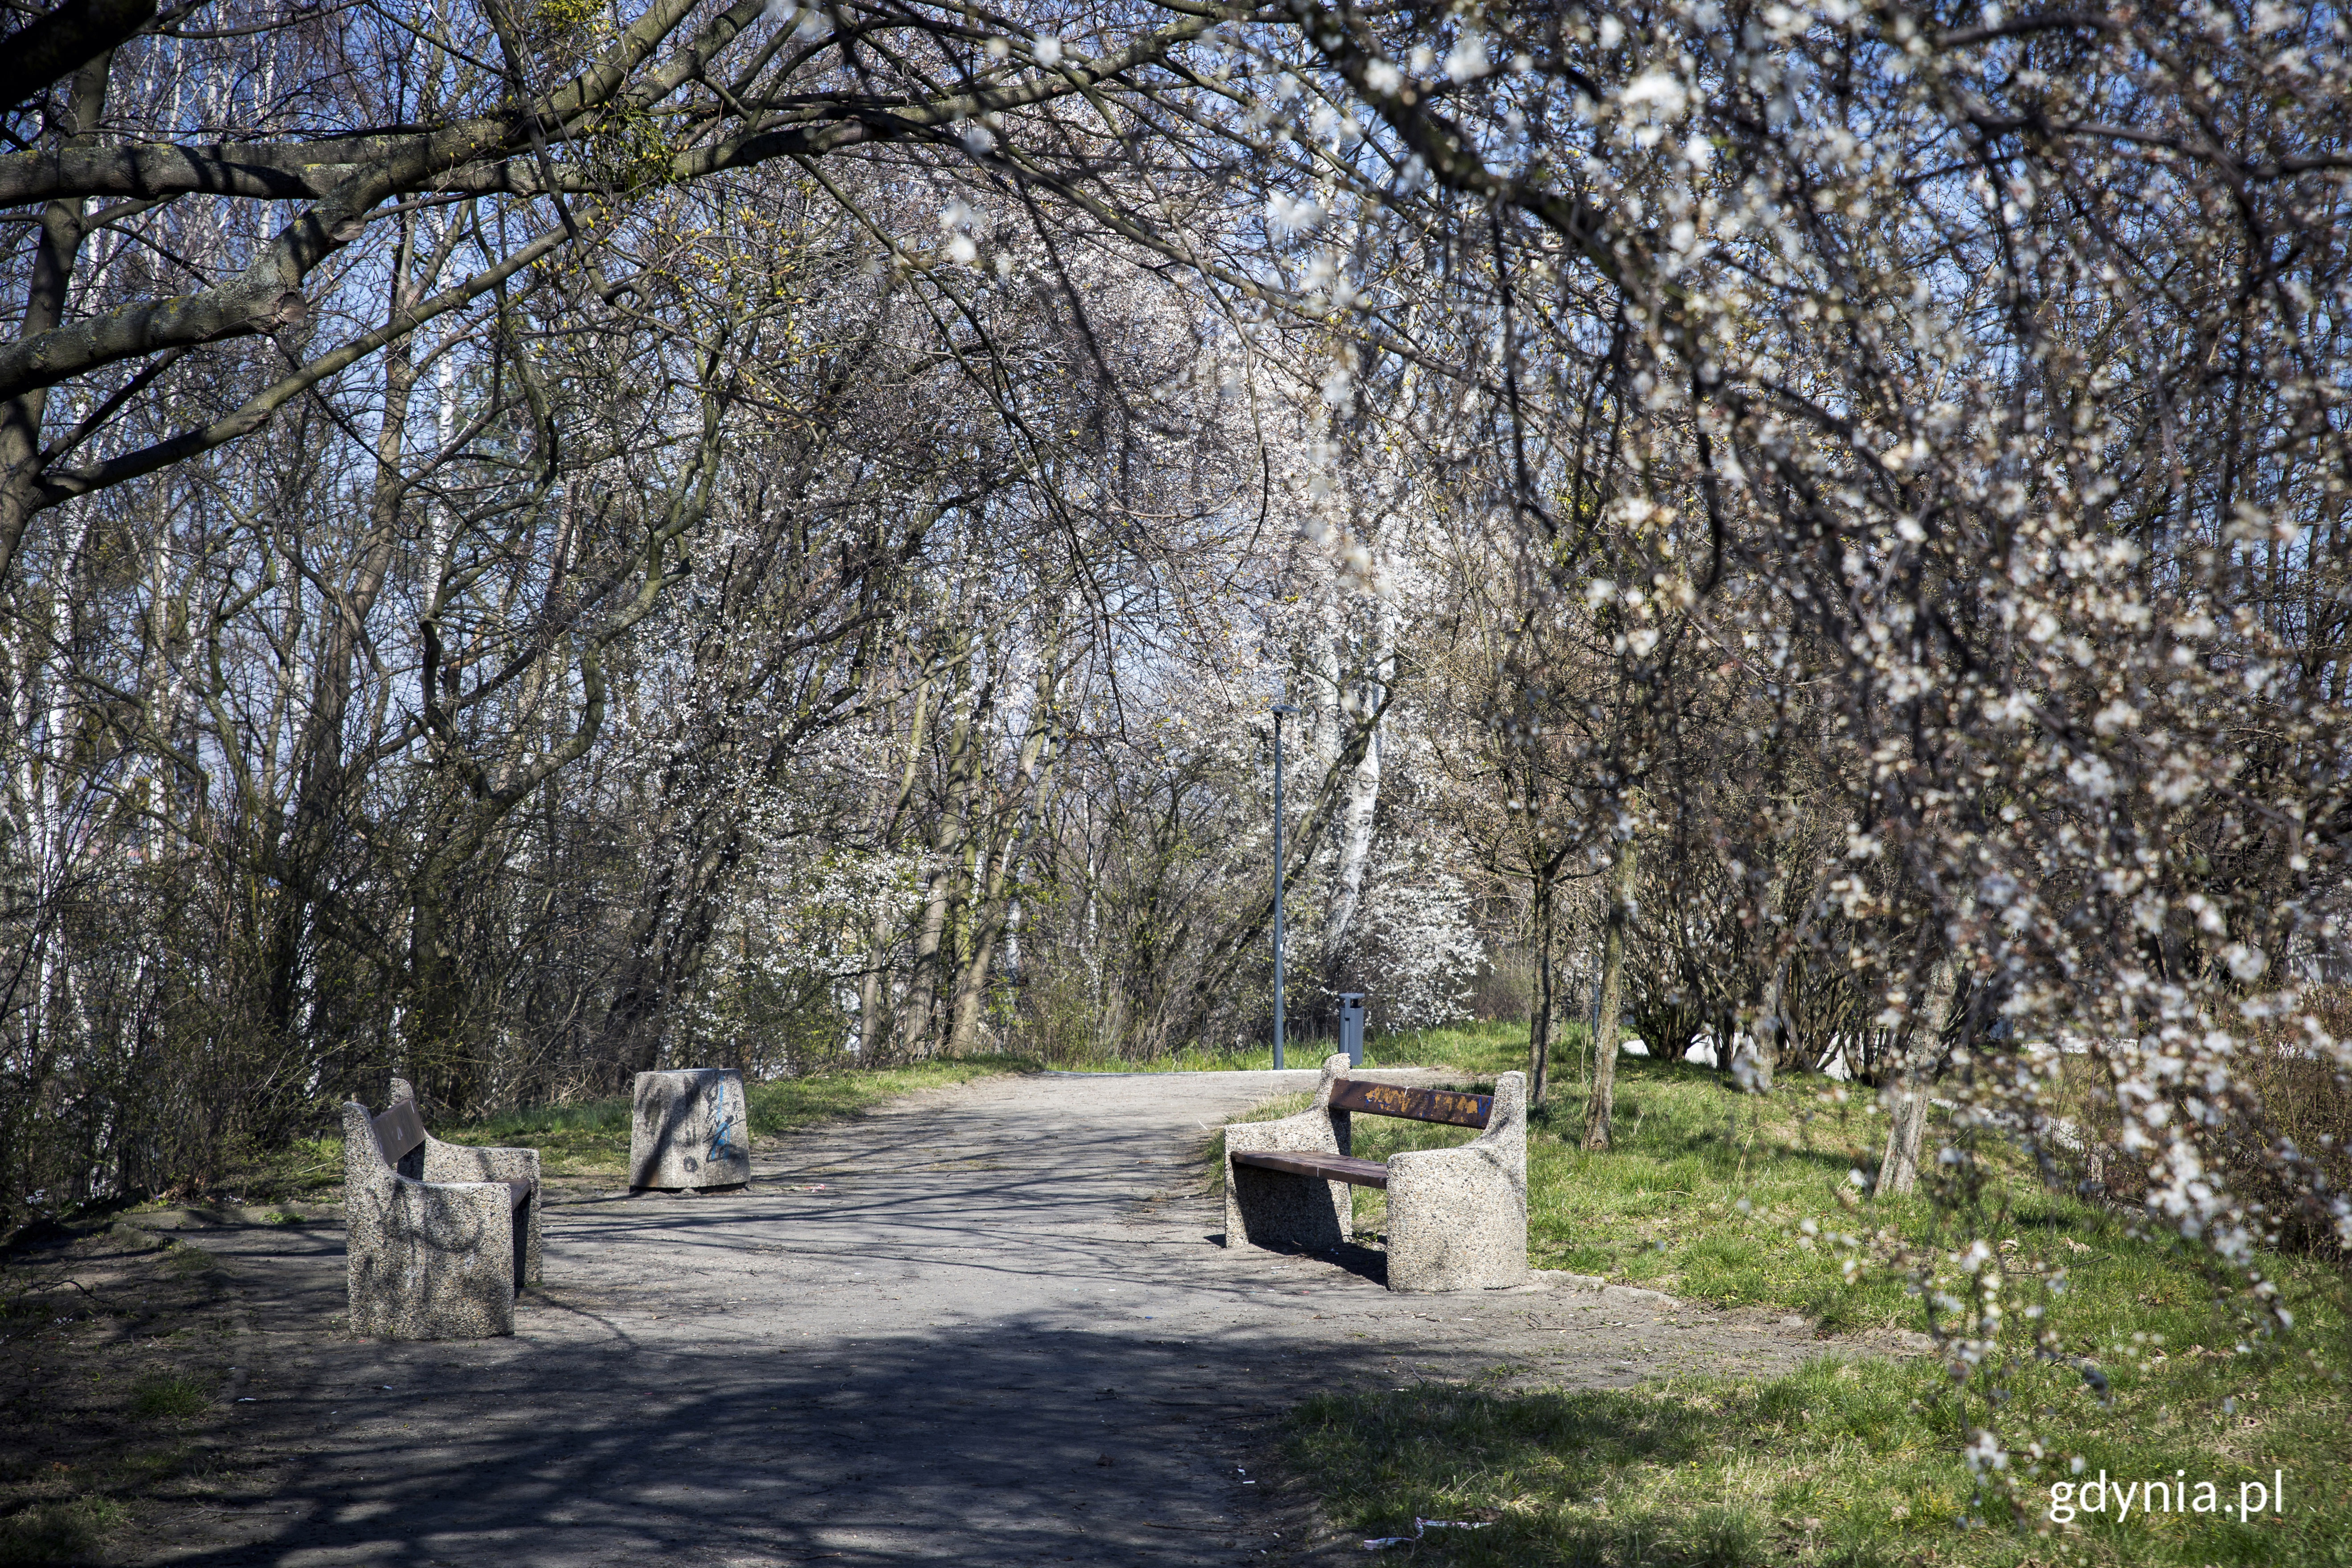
1447, 1106
399, 1132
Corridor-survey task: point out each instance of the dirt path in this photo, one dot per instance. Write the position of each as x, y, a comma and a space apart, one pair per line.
987, 1325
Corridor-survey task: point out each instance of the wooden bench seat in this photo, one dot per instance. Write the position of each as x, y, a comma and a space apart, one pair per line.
1336, 1167
1457, 1218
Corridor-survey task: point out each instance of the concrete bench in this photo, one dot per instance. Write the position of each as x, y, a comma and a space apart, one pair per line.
1457, 1216
438, 1236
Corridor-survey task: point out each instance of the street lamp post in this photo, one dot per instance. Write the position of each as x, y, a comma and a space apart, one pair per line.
1278, 711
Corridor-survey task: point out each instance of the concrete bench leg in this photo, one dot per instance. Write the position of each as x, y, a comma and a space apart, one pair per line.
1458, 1218
1454, 1224
692, 1128
1277, 1208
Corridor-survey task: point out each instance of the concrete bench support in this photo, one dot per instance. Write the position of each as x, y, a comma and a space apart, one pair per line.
1458, 1217
438, 1236
1281, 1209
692, 1129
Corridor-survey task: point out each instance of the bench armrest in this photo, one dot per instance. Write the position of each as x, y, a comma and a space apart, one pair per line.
432, 1261
1503, 1142
467, 1162
1318, 1128
510, 1168
1502, 1148
1309, 1132
1476, 1165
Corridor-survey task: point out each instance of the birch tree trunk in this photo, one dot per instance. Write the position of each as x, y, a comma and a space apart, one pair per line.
918, 1021
873, 983
1363, 794
990, 905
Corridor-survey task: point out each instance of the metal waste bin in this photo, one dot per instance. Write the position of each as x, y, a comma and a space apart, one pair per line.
1351, 1026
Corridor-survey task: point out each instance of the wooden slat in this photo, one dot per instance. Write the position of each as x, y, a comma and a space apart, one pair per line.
1331, 1168
1447, 1105
399, 1130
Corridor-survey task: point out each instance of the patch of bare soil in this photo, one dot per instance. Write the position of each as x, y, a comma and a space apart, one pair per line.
119, 1366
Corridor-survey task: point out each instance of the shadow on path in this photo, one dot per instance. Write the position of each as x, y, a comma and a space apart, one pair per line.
987, 1326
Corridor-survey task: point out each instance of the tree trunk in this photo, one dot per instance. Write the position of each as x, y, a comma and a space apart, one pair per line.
1767, 1026
1539, 1026
1601, 1103
1906, 1091
434, 1049
64, 226
1363, 797
317, 825
872, 987
920, 1033
916, 1018
989, 912
991, 903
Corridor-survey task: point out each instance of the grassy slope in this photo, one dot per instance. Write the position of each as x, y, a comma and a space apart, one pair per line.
593, 1139
1847, 1461
590, 1139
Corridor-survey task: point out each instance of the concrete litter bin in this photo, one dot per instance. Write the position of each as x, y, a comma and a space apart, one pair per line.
692, 1129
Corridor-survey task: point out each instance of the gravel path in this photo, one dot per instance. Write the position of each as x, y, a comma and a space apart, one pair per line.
985, 1325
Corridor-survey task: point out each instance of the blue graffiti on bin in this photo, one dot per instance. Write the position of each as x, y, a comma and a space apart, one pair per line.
722, 1128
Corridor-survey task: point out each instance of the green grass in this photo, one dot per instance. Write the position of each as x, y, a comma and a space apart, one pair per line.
169, 1399
1703, 1190
1474, 1048
1740, 1201
65, 1531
